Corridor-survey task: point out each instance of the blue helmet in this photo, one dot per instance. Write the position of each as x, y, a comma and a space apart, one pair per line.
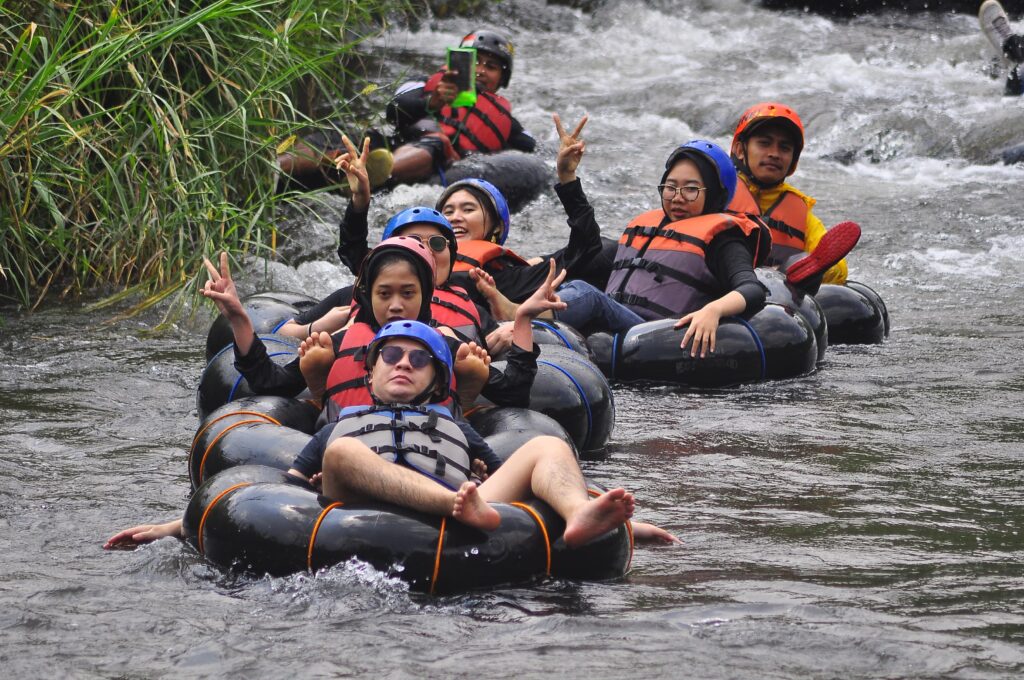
435, 344
421, 214
489, 196
702, 151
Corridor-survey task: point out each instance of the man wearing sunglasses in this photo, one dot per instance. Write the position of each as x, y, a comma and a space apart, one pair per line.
407, 450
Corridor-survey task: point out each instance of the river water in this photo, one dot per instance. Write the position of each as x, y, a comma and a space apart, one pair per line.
862, 521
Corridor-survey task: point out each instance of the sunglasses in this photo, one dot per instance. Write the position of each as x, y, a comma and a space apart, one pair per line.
437, 243
418, 358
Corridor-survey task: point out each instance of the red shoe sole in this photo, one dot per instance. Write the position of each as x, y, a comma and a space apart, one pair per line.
833, 246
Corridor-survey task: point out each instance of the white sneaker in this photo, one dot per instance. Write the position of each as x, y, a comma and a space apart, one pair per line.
994, 24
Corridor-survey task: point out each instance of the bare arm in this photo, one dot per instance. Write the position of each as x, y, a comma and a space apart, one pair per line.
332, 321
144, 533
703, 328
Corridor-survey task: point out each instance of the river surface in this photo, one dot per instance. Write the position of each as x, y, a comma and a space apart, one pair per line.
862, 521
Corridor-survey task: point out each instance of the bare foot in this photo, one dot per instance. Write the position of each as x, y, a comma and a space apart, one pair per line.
473, 510
502, 308
598, 516
316, 356
472, 368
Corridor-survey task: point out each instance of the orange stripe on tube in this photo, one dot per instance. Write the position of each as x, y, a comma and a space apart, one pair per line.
210, 424
437, 556
543, 531
206, 512
206, 453
316, 528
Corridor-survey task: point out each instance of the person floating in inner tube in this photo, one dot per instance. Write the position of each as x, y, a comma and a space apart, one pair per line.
395, 282
430, 133
480, 217
766, 148
1009, 45
429, 467
687, 258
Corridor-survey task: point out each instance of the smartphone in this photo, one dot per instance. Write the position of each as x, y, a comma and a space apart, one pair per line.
463, 60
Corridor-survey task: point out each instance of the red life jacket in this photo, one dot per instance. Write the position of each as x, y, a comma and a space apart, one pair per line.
660, 271
787, 219
347, 383
486, 255
451, 306
483, 127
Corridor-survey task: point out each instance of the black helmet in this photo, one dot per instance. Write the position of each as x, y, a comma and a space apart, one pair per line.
496, 44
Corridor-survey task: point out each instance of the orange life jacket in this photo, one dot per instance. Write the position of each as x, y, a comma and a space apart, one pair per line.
486, 255
661, 271
787, 219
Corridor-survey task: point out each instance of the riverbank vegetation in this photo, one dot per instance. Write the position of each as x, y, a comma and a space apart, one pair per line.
136, 136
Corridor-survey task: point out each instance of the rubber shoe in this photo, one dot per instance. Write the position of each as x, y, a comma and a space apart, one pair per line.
994, 24
378, 167
833, 246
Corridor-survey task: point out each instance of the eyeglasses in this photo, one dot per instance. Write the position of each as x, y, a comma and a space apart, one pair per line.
418, 358
437, 243
688, 192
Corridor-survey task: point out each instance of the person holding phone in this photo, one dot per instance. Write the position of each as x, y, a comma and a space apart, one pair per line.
431, 132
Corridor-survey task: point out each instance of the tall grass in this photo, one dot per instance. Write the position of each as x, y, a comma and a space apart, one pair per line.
137, 135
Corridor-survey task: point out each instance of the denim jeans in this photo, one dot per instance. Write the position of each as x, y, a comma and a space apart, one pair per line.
591, 309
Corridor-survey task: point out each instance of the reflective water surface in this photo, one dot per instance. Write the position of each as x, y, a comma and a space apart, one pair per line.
862, 521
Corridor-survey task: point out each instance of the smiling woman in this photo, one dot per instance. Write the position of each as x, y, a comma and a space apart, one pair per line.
135, 135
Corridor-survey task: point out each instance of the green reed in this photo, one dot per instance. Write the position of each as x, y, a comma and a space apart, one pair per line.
137, 136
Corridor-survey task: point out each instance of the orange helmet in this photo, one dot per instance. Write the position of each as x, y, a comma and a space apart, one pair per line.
765, 112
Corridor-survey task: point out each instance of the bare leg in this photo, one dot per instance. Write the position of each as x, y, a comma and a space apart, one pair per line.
316, 356
546, 468
471, 372
412, 164
302, 160
352, 472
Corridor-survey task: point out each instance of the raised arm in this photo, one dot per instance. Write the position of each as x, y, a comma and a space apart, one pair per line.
570, 150
544, 299
221, 289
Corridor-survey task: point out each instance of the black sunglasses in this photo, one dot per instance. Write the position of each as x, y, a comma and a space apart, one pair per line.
418, 358
437, 243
